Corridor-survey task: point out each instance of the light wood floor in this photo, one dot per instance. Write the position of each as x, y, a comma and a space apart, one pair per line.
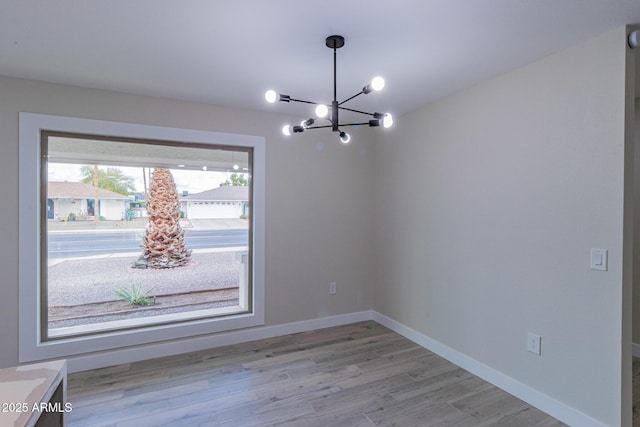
356, 375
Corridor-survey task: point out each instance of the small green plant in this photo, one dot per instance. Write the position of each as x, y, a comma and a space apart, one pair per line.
136, 296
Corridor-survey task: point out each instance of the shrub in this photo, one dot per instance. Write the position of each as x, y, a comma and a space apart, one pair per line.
136, 296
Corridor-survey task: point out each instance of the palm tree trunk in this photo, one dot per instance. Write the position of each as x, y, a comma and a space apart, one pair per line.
163, 243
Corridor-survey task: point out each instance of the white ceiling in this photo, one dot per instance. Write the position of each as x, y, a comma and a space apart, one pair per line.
229, 52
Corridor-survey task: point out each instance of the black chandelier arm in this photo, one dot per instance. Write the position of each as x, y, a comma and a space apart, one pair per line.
341, 108
354, 124
340, 125
357, 111
319, 127
303, 101
349, 99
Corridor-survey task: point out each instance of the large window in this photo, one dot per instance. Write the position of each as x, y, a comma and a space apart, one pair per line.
142, 234
132, 237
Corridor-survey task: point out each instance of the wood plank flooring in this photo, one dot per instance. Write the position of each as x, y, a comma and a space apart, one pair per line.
356, 375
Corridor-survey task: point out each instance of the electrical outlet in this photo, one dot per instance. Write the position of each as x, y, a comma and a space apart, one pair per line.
533, 343
332, 288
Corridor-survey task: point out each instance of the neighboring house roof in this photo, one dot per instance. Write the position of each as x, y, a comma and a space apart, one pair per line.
226, 193
79, 190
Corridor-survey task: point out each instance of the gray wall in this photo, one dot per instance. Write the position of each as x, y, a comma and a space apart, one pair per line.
636, 253
504, 189
318, 196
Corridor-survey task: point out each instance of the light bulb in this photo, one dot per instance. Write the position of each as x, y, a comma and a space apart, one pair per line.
271, 96
387, 121
286, 129
236, 167
322, 111
377, 83
345, 137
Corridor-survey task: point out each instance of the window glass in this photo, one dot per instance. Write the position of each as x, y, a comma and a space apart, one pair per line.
136, 235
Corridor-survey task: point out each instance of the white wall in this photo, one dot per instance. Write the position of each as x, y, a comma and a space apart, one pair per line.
112, 210
305, 250
503, 189
63, 207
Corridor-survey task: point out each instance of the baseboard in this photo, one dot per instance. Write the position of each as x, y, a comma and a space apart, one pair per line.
635, 350
551, 406
135, 354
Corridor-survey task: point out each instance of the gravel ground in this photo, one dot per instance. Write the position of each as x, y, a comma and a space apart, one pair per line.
82, 281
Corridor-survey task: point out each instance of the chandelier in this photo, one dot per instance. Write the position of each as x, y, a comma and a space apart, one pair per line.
330, 113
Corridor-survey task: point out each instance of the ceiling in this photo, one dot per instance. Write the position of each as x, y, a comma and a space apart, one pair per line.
229, 52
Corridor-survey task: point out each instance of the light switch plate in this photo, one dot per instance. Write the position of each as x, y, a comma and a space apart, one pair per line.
332, 288
599, 259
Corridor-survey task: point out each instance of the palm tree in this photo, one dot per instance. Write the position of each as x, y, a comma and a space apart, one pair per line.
163, 244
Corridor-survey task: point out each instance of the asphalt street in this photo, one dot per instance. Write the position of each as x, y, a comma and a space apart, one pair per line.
91, 243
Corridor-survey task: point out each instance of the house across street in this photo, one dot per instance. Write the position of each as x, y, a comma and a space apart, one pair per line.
76, 201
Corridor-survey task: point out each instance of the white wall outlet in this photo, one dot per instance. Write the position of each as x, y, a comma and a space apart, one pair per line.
333, 288
533, 343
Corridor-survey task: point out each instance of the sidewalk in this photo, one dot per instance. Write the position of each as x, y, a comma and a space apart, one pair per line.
141, 223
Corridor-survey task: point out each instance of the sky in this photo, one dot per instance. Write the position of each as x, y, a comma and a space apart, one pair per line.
186, 180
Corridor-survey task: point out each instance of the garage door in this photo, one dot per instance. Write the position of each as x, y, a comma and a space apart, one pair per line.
199, 210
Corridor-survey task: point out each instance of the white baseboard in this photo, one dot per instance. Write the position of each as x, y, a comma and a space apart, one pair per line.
551, 406
135, 354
